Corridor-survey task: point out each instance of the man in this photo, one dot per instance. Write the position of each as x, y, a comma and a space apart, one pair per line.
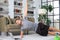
25, 24
40, 28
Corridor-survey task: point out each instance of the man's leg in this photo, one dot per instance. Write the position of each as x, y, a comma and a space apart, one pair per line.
51, 33
54, 29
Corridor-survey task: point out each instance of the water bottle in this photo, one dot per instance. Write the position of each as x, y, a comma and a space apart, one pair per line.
57, 36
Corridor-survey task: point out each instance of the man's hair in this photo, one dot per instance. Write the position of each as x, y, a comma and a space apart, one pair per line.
17, 17
21, 17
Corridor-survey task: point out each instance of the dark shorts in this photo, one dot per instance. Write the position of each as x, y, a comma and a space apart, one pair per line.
42, 29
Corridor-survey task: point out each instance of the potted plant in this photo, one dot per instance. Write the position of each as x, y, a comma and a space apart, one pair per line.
46, 19
48, 8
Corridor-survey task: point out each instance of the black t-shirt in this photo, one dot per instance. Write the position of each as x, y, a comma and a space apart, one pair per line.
42, 29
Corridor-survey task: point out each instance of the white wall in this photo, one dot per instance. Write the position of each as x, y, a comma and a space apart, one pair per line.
37, 4
11, 8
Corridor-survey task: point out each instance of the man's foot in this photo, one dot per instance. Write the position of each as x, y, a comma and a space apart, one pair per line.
57, 33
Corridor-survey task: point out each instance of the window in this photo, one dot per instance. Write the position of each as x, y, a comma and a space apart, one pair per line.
50, 0
50, 3
44, 3
54, 15
44, 0
56, 3
56, 11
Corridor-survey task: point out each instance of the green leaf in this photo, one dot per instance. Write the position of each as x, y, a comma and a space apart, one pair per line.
48, 22
50, 8
45, 7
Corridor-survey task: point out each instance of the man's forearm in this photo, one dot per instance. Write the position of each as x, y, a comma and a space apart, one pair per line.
21, 34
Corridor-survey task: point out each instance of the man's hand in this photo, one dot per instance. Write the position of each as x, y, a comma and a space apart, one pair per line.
21, 34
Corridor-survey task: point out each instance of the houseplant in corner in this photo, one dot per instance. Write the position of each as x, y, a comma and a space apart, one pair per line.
49, 8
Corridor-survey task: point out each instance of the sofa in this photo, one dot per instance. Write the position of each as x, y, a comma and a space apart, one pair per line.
8, 25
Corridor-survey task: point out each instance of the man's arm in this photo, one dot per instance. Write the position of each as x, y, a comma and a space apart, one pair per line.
21, 34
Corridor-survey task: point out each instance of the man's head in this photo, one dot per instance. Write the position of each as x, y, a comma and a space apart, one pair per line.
18, 21
21, 17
